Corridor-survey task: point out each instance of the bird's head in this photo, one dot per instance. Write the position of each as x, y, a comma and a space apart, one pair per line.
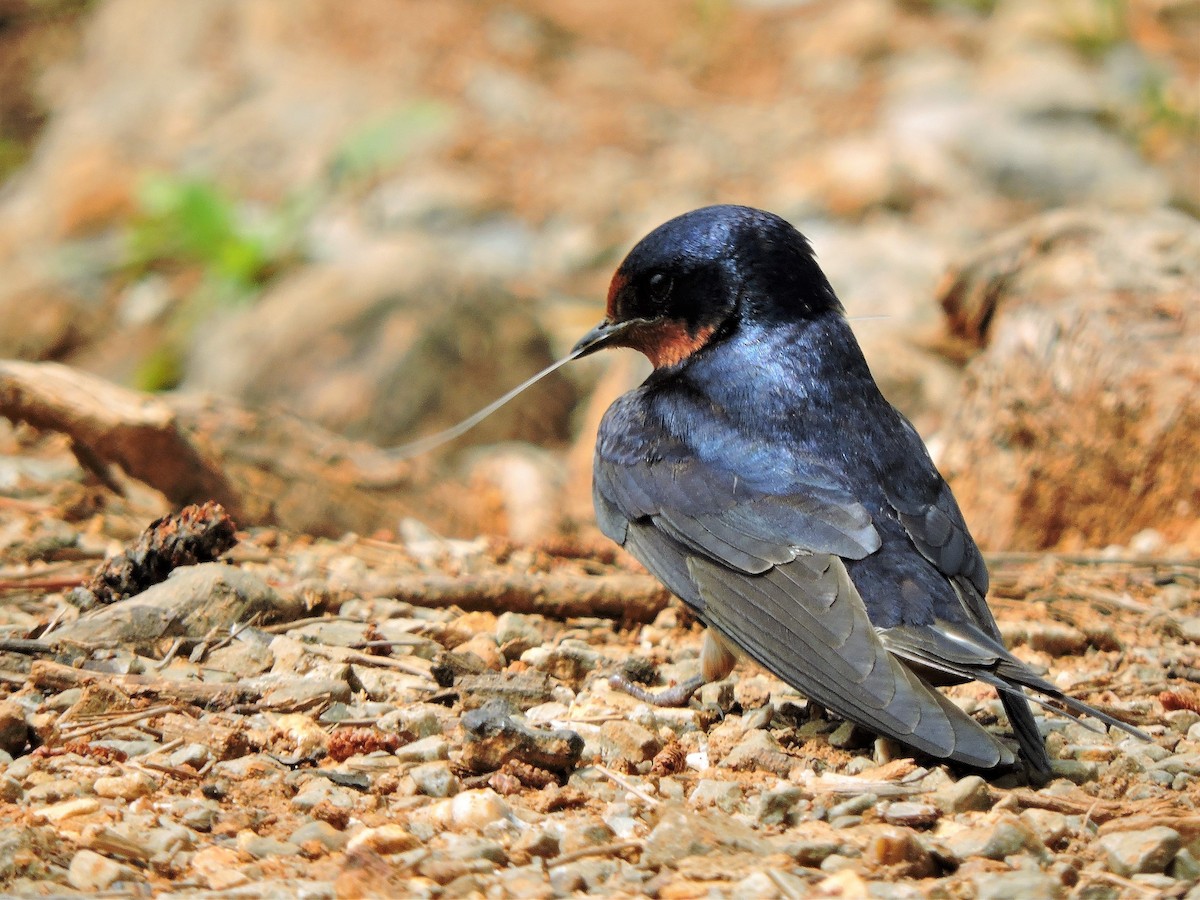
690, 281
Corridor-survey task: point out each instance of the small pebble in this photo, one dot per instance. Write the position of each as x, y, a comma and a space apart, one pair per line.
911, 815
321, 832
775, 805
630, 740
1051, 827
471, 809
1077, 771
193, 756
129, 786
539, 842
1135, 852
1005, 836
60, 812
1026, 882
219, 867
384, 840
261, 847
965, 795
435, 779
91, 872
726, 795
853, 806
424, 750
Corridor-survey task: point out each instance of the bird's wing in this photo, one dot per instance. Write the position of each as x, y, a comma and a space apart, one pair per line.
930, 516
969, 649
763, 565
935, 525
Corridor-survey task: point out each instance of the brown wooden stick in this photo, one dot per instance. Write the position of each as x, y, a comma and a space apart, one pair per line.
57, 677
137, 432
265, 469
631, 598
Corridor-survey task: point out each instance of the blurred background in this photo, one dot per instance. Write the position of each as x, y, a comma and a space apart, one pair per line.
379, 215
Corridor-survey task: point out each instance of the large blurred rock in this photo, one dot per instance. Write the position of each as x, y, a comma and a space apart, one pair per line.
1079, 424
375, 348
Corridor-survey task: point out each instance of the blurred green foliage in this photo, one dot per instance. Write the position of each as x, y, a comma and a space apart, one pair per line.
13, 154
382, 143
1092, 29
192, 224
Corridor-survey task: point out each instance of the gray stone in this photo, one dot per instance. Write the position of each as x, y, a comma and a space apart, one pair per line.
1019, 885
421, 720
1005, 837
1075, 770
261, 847
841, 823
539, 842
169, 838
630, 740
321, 832
241, 658
55, 790
810, 853
1135, 852
194, 756
306, 691
837, 862
1188, 763
848, 736
198, 815
718, 694
1185, 866
965, 795
193, 601
468, 848
759, 749
1181, 720
516, 633
776, 804
911, 815
1051, 827
726, 795
321, 790
853, 806
681, 832
435, 779
425, 750
90, 872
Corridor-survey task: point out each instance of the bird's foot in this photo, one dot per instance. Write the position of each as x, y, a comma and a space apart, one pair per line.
679, 695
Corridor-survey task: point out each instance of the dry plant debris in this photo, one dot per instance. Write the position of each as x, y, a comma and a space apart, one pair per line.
197, 533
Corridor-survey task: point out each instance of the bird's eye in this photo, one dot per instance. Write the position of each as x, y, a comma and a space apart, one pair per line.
660, 286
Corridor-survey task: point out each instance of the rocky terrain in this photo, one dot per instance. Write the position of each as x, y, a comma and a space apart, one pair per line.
245, 246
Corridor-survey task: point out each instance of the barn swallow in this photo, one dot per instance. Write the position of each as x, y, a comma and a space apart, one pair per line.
759, 473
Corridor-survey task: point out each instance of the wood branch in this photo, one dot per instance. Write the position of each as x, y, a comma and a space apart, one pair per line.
56, 677
630, 598
137, 432
264, 468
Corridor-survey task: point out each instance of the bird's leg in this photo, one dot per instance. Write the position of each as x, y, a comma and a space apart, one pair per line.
717, 660
679, 695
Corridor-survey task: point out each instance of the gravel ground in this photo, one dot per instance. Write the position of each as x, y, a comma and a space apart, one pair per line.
278, 723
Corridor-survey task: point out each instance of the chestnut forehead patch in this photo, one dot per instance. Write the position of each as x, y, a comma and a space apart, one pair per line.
614, 287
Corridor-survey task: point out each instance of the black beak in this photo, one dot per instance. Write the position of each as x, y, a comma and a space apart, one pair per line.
601, 336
